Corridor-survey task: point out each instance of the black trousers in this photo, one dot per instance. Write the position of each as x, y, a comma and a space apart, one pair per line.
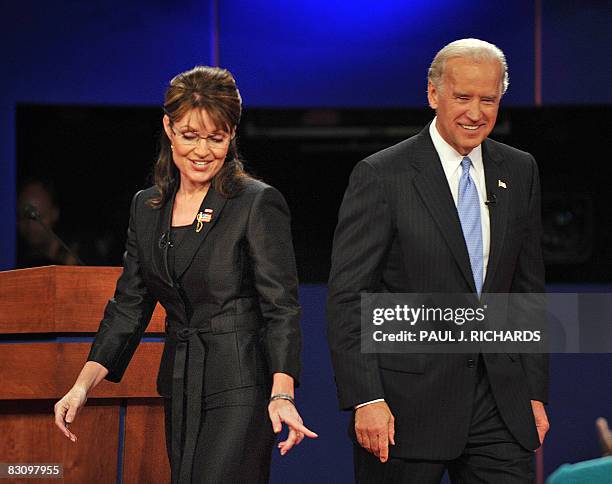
234, 443
491, 455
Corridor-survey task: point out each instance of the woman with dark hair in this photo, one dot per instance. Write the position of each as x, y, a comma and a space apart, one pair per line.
213, 246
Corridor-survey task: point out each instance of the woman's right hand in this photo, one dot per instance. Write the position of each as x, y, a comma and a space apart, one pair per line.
67, 408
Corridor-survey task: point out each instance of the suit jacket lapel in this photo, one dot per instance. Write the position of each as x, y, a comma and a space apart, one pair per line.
212, 205
160, 241
432, 185
498, 212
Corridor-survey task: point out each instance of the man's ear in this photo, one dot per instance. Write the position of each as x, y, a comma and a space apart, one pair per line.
432, 95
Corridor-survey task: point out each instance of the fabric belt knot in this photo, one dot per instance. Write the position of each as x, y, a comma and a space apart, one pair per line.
184, 334
188, 376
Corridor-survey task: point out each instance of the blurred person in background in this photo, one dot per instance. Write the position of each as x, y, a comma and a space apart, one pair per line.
590, 471
36, 244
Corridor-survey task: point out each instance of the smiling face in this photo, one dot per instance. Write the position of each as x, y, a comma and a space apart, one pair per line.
199, 147
466, 101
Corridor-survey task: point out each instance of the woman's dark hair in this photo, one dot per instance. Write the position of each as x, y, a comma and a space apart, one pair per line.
214, 90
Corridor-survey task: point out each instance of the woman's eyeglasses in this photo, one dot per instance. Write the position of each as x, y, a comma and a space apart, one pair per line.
190, 138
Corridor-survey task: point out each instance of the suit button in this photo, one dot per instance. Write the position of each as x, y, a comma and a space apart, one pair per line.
471, 363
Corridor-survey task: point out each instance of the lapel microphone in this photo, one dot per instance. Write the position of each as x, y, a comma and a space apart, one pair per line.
164, 241
491, 200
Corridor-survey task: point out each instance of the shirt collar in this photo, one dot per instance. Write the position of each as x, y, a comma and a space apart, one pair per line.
450, 158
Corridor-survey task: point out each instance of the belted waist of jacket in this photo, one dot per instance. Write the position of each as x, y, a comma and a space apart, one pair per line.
188, 380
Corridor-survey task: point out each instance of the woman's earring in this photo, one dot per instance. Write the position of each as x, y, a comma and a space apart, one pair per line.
172, 147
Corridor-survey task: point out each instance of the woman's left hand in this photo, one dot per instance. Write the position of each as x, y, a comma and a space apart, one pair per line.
283, 411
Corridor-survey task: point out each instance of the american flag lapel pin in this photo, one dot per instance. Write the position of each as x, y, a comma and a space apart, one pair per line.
501, 184
208, 213
203, 218
200, 219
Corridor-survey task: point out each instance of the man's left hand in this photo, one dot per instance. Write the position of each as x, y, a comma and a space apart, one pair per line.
541, 420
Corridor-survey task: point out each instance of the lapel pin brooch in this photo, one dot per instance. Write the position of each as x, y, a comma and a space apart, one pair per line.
501, 184
203, 217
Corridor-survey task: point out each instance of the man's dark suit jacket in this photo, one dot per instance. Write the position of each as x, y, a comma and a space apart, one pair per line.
238, 284
399, 231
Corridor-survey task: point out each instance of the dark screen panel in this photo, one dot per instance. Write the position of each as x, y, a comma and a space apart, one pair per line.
99, 157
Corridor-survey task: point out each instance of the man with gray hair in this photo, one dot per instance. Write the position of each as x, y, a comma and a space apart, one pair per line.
447, 211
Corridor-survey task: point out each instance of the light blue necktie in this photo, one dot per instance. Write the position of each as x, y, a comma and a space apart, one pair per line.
468, 206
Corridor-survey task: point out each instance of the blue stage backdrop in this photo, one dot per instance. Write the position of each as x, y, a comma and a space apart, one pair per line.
310, 53
360, 53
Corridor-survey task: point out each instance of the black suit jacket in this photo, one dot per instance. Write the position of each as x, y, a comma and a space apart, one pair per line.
399, 231
238, 285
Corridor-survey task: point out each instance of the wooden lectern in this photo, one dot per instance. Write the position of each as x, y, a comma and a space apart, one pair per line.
48, 316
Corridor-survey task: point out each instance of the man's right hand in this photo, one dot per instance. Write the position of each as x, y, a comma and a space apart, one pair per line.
375, 428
